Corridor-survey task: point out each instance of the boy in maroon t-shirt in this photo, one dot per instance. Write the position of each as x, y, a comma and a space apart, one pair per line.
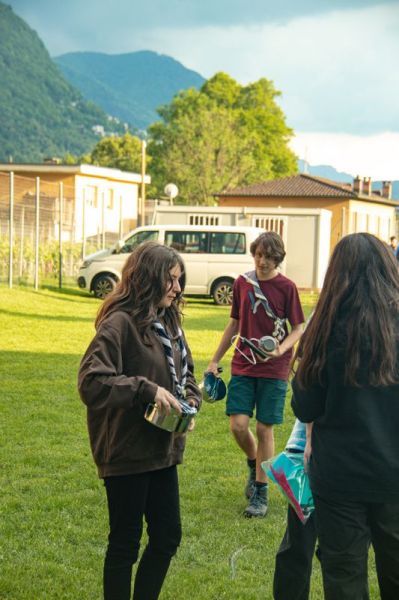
263, 302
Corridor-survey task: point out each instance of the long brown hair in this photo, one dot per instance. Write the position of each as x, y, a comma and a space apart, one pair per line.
144, 282
359, 304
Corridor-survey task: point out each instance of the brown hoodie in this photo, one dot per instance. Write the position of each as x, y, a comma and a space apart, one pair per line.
118, 378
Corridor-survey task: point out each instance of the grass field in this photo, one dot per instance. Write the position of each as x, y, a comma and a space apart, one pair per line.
53, 521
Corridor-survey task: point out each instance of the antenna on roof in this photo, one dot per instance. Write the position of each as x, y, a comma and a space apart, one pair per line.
305, 162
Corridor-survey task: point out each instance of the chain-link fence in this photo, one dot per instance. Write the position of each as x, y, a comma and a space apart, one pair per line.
38, 231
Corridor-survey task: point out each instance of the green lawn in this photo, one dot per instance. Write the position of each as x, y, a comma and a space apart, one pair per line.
53, 521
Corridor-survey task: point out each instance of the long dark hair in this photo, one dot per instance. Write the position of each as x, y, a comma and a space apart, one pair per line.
144, 282
360, 302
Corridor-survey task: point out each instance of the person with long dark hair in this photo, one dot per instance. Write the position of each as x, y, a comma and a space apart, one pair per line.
139, 356
347, 383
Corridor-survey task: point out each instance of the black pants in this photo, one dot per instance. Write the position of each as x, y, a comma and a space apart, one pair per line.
293, 567
155, 496
345, 530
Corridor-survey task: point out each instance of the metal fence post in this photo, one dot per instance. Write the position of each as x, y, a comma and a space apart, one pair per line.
11, 230
37, 233
61, 196
98, 206
102, 220
84, 224
120, 217
21, 242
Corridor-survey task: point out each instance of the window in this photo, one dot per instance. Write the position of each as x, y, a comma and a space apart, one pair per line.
205, 242
109, 199
227, 243
187, 241
203, 219
90, 195
269, 223
138, 238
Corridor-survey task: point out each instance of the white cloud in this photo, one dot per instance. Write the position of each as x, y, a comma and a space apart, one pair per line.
337, 71
95, 14
373, 156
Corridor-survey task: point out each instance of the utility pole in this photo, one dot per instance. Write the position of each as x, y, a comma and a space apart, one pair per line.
11, 230
141, 206
61, 217
37, 233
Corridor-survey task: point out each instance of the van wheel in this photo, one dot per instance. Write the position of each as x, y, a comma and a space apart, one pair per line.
223, 292
103, 285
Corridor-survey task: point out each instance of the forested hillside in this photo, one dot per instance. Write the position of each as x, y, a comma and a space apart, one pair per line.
41, 114
130, 86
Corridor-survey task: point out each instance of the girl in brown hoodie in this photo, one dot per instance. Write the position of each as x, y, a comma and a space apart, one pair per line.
125, 368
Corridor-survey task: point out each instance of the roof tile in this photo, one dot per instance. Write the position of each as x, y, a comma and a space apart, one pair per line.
296, 185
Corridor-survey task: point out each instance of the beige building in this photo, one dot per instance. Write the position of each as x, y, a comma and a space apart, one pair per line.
353, 208
97, 200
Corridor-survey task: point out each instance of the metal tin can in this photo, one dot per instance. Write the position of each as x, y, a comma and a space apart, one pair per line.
172, 422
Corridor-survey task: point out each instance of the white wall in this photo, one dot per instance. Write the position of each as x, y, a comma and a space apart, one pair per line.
306, 233
375, 219
112, 203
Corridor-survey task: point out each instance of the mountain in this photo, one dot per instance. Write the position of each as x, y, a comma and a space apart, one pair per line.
329, 172
325, 171
41, 114
130, 86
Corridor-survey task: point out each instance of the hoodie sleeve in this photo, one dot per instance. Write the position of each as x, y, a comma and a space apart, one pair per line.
101, 382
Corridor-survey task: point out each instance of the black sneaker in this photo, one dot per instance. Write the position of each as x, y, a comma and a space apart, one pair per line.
257, 506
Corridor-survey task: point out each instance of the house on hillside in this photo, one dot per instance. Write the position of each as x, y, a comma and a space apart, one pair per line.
98, 202
353, 207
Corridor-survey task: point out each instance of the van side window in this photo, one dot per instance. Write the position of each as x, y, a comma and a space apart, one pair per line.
227, 243
187, 241
138, 238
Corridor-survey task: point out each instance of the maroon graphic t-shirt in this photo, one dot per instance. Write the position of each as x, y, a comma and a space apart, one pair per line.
284, 300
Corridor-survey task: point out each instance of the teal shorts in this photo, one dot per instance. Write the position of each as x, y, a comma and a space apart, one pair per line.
267, 395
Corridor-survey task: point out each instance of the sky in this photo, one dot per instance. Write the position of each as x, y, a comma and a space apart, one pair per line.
334, 61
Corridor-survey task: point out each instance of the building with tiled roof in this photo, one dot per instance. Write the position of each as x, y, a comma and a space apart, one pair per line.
354, 207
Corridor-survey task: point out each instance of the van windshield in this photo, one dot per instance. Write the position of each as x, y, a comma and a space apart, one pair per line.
137, 238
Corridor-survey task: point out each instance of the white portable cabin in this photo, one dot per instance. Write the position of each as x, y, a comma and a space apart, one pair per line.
306, 233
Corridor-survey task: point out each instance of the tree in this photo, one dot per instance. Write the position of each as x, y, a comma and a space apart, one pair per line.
219, 137
122, 152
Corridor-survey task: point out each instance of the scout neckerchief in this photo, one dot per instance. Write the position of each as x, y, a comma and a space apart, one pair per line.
258, 298
167, 346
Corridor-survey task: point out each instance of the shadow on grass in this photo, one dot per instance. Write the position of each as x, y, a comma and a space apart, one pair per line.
66, 294
46, 317
33, 365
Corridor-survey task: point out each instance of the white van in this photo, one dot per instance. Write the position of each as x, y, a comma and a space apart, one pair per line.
213, 256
